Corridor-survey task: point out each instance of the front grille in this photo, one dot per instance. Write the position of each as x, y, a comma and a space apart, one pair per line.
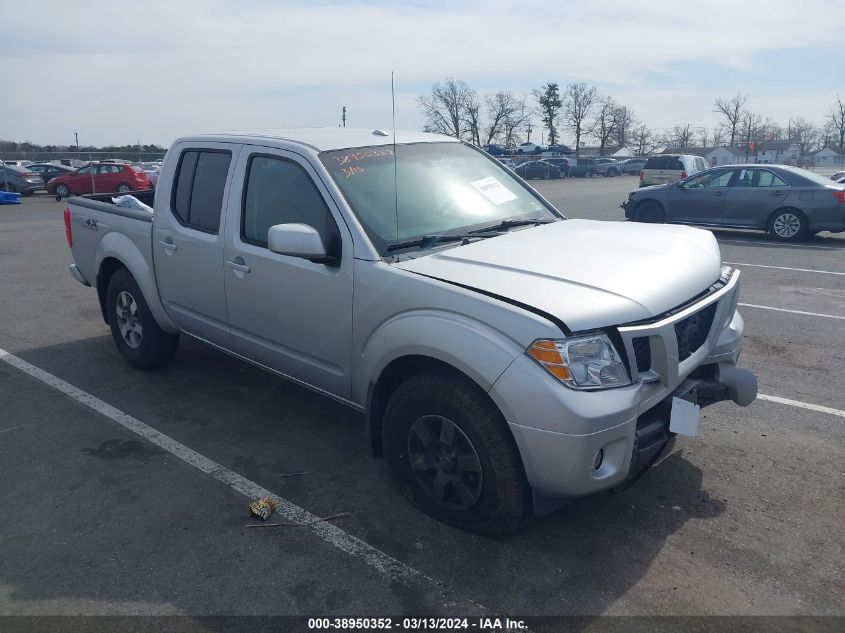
642, 352
692, 331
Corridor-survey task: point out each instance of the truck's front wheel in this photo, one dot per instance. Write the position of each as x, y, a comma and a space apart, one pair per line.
138, 337
452, 455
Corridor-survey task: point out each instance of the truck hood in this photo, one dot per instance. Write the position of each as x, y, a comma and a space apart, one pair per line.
586, 273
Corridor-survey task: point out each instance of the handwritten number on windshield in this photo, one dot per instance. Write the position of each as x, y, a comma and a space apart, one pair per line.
372, 153
351, 171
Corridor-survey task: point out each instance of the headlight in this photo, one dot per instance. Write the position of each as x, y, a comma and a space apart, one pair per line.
581, 362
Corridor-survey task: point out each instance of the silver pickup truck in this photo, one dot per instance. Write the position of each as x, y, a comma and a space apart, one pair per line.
506, 359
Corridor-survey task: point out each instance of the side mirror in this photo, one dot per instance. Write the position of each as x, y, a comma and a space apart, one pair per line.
297, 240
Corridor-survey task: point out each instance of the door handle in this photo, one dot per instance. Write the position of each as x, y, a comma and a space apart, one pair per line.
719, 193
778, 193
240, 267
167, 245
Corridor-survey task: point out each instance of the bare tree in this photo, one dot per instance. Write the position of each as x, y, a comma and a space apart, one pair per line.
718, 136
444, 107
642, 140
802, 133
518, 119
837, 120
605, 121
472, 117
681, 136
548, 100
625, 123
731, 109
499, 107
702, 136
752, 131
578, 102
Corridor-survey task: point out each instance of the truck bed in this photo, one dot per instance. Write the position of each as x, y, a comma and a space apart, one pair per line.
100, 228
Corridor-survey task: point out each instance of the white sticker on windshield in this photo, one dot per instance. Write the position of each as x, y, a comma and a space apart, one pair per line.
493, 190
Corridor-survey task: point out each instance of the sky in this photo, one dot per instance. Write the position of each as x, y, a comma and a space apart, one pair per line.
150, 71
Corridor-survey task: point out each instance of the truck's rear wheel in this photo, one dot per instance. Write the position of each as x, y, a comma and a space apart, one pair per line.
451, 453
138, 337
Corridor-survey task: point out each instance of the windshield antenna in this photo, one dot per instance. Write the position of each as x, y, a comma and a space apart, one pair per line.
395, 180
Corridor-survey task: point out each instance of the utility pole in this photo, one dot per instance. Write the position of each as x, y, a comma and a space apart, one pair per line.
76, 136
529, 131
343, 118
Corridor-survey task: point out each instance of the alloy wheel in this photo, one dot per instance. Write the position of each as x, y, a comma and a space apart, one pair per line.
786, 225
129, 320
444, 462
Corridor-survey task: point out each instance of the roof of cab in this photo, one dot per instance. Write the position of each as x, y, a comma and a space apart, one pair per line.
322, 139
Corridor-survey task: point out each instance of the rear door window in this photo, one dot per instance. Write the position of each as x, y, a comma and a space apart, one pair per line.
197, 199
765, 178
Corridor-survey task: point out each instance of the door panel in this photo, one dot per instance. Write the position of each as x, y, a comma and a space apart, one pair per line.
288, 313
80, 182
755, 194
188, 248
700, 199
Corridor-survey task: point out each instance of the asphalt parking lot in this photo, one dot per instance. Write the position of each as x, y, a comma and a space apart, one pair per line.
745, 519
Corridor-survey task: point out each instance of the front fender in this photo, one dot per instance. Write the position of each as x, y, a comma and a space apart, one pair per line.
472, 347
118, 246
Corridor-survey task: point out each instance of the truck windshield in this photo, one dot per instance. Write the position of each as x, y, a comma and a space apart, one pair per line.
439, 188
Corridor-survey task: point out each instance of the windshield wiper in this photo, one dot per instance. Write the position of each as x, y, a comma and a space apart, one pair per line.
507, 224
430, 240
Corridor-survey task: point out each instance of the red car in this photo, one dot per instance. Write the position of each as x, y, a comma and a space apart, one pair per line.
100, 178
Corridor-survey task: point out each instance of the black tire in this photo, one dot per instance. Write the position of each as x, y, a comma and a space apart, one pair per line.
611, 172
63, 191
501, 501
788, 225
123, 188
649, 211
589, 174
155, 347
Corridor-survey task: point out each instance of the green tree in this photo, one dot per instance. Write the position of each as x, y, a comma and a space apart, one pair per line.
548, 98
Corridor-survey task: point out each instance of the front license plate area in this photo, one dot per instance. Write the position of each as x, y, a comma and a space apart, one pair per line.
684, 417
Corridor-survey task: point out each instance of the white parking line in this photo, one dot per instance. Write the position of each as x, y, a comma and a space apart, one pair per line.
800, 270
802, 405
780, 245
815, 314
383, 563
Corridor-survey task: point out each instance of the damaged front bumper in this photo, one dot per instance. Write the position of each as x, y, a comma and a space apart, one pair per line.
575, 443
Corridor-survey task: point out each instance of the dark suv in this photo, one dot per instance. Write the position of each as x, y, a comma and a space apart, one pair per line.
560, 163
584, 167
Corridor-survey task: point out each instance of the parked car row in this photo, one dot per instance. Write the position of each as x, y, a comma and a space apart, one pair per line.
106, 176
495, 149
